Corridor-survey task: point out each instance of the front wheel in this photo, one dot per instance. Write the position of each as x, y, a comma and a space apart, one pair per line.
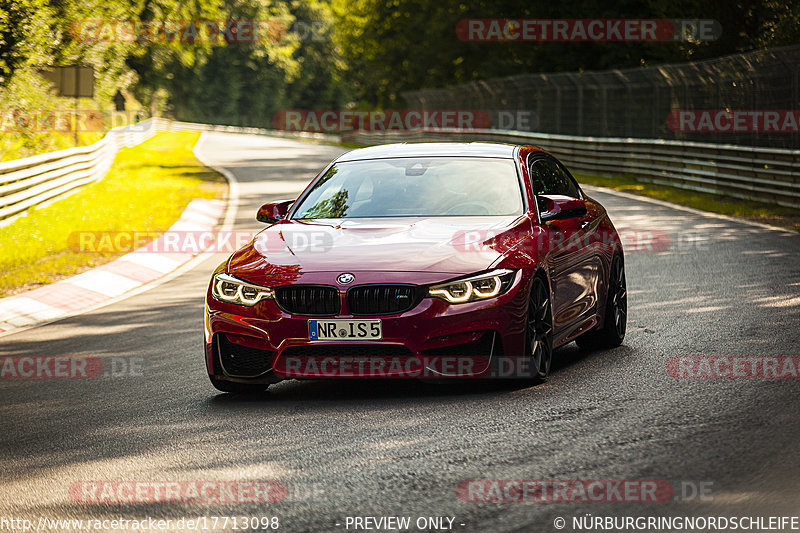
539, 331
616, 313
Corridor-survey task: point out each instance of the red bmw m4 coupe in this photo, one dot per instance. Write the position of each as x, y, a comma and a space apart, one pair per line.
429, 260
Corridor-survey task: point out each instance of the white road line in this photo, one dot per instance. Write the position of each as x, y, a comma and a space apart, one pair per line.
158, 262
104, 282
149, 262
686, 209
21, 311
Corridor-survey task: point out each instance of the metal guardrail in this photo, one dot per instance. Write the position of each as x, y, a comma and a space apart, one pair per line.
764, 174
636, 102
32, 181
751, 173
194, 126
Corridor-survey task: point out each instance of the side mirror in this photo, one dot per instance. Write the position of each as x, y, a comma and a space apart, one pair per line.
273, 212
558, 207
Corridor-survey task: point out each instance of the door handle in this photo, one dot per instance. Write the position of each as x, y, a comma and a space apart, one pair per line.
584, 224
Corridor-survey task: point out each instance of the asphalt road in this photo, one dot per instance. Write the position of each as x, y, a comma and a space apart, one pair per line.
720, 288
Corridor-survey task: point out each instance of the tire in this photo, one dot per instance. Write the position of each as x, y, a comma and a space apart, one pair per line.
237, 388
539, 330
612, 333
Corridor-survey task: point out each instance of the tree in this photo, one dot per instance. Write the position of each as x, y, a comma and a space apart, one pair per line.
25, 35
390, 46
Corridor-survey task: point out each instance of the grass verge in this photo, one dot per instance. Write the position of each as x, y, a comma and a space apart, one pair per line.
147, 189
18, 146
784, 217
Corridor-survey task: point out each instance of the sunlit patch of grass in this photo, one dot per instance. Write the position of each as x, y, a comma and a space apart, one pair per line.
147, 189
785, 217
350, 145
17, 146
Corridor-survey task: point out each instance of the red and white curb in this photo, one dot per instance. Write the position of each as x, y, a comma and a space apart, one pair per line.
111, 280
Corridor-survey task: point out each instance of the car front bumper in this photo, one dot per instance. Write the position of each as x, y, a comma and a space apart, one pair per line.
434, 339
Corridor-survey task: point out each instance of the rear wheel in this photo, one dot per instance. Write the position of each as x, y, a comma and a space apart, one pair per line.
616, 313
539, 331
237, 388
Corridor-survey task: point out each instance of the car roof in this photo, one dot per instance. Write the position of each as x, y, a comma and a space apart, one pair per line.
444, 149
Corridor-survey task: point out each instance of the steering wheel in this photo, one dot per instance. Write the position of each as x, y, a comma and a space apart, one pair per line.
482, 208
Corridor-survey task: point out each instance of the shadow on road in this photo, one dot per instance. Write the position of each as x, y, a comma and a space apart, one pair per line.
336, 390
349, 389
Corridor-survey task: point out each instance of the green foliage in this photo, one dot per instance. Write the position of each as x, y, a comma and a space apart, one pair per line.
239, 83
333, 54
25, 35
390, 46
242, 82
28, 91
320, 83
246, 83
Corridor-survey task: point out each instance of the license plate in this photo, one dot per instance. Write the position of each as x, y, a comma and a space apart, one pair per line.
319, 330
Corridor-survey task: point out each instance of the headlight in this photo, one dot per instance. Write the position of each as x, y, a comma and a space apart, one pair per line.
226, 288
478, 287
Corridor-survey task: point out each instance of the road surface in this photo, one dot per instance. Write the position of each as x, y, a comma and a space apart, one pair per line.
377, 449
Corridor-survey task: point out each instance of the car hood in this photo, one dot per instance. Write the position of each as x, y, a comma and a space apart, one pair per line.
452, 245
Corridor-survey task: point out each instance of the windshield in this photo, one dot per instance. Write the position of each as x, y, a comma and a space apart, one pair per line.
413, 187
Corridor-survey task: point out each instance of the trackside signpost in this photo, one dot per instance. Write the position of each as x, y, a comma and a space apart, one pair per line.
71, 81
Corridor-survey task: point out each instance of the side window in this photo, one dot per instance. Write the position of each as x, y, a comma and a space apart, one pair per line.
537, 182
553, 178
567, 178
536, 173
